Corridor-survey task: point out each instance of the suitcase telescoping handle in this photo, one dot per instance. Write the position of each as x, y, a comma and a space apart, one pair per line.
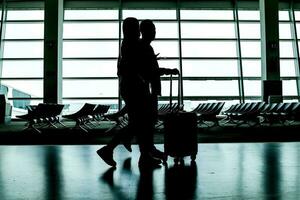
171, 86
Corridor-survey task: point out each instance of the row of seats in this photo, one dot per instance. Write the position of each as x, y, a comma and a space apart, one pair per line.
48, 115
45, 115
260, 112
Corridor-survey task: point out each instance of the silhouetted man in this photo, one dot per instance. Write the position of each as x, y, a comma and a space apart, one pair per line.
151, 74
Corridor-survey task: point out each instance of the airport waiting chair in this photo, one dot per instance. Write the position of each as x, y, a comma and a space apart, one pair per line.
41, 116
82, 116
209, 113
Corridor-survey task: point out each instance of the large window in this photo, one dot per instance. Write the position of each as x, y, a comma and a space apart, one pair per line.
219, 57
90, 52
22, 56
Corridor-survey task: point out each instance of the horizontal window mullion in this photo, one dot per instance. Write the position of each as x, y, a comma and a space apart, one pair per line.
210, 58
207, 21
90, 58
207, 78
90, 78
203, 98
287, 58
89, 39
24, 98
90, 20
249, 21
88, 98
216, 78
288, 78
21, 78
290, 97
24, 21
24, 40
19, 59
208, 39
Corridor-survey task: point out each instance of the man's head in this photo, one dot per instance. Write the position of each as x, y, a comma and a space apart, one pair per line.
148, 30
131, 29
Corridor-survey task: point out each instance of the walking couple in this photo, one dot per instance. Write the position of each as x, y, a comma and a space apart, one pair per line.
140, 86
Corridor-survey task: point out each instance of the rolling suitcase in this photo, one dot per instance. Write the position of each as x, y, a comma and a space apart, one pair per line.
180, 133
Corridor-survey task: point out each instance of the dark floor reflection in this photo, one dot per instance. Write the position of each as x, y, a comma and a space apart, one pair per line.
116, 191
181, 182
272, 172
145, 184
53, 176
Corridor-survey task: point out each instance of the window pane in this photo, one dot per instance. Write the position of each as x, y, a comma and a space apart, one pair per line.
289, 87
250, 49
24, 31
297, 15
25, 15
22, 68
209, 68
32, 87
286, 49
207, 14
207, 30
208, 49
298, 30
250, 30
287, 68
91, 49
210, 88
168, 63
166, 30
251, 68
26, 49
165, 88
150, 14
252, 88
249, 14
90, 68
285, 31
91, 14
284, 15
166, 48
91, 30
90, 88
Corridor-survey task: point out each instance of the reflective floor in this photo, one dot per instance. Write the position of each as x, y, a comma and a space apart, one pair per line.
222, 171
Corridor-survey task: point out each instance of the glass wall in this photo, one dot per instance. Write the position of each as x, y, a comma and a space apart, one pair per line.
22, 56
90, 53
218, 56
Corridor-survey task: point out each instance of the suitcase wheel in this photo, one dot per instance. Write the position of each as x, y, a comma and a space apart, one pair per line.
165, 159
178, 160
193, 157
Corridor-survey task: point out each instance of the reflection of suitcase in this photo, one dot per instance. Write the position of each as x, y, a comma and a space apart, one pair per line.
180, 131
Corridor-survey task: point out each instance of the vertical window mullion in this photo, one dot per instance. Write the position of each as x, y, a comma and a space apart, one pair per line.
2, 34
120, 36
239, 54
295, 46
180, 89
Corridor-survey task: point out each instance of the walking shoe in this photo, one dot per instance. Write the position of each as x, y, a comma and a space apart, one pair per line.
147, 161
158, 154
107, 156
127, 145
